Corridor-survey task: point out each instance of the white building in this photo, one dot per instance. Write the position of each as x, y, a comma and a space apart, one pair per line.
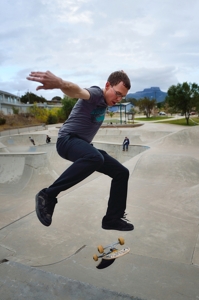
9, 101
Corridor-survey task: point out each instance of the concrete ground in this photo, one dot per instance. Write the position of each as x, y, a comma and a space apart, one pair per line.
38, 262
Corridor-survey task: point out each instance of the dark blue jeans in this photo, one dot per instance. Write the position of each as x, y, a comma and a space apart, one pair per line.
86, 160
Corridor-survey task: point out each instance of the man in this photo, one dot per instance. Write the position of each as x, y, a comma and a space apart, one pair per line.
126, 144
48, 139
74, 144
32, 141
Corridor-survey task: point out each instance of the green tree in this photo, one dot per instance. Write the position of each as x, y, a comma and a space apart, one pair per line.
32, 98
183, 97
111, 114
146, 105
56, 98
132, 101
67, 105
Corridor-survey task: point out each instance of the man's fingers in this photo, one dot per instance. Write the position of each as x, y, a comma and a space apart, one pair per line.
46, 79
37, 74
34, 78
40, 87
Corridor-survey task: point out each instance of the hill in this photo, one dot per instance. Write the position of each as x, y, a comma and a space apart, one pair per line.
153, 92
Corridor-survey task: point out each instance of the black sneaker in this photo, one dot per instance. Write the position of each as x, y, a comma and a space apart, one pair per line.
45, 207
117, 224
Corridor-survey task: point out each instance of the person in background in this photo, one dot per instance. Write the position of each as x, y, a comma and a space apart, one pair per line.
32, 141
126, 143
48, 139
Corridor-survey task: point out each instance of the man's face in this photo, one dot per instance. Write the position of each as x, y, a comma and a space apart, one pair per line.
114, 94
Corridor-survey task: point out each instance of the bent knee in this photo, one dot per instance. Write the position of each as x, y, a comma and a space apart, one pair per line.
97, 159
124, 173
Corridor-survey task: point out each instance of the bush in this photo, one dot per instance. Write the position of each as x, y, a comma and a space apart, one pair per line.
15, 110
52, 119
2, 121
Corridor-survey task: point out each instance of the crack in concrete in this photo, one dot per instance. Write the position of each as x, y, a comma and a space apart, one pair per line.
57, 262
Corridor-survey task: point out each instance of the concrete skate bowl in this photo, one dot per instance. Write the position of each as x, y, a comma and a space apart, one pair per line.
21, 143
20, 160
116, 151
136, 136
110, 140
16, 170
22, 163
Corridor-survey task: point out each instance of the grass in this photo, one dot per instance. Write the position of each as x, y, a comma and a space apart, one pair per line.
158, 119
151, 118
183, 122
193, 121
111, 120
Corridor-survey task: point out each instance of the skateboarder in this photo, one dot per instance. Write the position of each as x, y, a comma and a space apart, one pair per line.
126, 144
48, 139
32, 141
74, 144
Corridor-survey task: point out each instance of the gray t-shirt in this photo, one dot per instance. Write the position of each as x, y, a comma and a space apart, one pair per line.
86, 116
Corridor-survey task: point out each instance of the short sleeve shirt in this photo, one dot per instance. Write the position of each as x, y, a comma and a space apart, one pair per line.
86, 116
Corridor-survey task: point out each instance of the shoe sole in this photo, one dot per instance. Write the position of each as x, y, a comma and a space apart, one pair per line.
38, 212
121, 229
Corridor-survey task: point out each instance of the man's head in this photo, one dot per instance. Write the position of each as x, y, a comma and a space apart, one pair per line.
118, 76
116, 88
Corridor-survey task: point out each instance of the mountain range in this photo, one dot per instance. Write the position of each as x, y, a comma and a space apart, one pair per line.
153, 92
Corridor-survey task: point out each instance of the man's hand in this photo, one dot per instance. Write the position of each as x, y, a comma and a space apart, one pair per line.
48, 79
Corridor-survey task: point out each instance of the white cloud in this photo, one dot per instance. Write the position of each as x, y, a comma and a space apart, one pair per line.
156, 43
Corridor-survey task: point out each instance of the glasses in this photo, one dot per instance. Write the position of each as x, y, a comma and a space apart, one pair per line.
118, 94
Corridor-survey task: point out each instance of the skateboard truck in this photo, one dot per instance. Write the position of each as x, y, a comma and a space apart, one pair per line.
109, 256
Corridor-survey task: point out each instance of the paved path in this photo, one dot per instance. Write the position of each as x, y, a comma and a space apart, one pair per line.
55, 262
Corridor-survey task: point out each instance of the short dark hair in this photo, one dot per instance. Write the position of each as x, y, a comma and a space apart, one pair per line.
118, 76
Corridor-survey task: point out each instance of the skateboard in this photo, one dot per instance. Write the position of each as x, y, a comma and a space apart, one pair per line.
110, 255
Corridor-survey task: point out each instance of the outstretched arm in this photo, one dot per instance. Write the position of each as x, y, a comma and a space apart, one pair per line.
51, 81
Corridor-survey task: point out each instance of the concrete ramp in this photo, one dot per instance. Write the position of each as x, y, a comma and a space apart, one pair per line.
16, 170
163, 205
186, 138
35, 284
173, 169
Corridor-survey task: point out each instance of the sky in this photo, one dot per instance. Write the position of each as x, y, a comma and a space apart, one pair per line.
155, 42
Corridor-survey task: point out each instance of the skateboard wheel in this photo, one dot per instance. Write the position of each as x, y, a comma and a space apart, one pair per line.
95, 257
121, 240
100, 249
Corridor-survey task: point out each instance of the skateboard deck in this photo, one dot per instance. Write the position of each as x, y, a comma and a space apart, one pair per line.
109, 256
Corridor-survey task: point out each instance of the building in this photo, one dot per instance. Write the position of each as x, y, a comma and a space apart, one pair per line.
9, 101
124, 107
